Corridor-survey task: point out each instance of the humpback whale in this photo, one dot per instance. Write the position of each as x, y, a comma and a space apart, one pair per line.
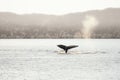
66, 48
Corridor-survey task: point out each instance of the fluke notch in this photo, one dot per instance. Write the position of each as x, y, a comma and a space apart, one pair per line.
66, 48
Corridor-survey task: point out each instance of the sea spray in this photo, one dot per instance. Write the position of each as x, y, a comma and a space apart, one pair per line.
89, 23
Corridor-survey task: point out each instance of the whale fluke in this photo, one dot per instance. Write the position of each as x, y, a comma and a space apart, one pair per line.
66, 48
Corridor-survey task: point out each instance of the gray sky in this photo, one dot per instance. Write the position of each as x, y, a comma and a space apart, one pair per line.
57, 7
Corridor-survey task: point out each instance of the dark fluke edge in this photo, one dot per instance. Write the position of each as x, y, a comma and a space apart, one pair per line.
66, 48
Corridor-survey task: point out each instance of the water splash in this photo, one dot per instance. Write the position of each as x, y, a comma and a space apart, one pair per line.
89, 23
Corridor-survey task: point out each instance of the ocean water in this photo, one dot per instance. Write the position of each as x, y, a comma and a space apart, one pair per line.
41, 59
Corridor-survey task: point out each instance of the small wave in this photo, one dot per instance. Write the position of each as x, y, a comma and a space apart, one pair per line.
119, 52
81, 52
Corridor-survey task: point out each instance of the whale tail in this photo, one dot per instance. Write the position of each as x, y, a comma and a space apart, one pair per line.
66, 48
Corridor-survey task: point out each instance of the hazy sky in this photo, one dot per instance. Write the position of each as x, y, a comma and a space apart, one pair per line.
57, 7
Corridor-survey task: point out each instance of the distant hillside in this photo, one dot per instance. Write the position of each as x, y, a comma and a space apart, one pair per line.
64, 26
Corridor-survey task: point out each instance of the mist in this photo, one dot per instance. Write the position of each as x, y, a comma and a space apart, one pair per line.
89, 23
